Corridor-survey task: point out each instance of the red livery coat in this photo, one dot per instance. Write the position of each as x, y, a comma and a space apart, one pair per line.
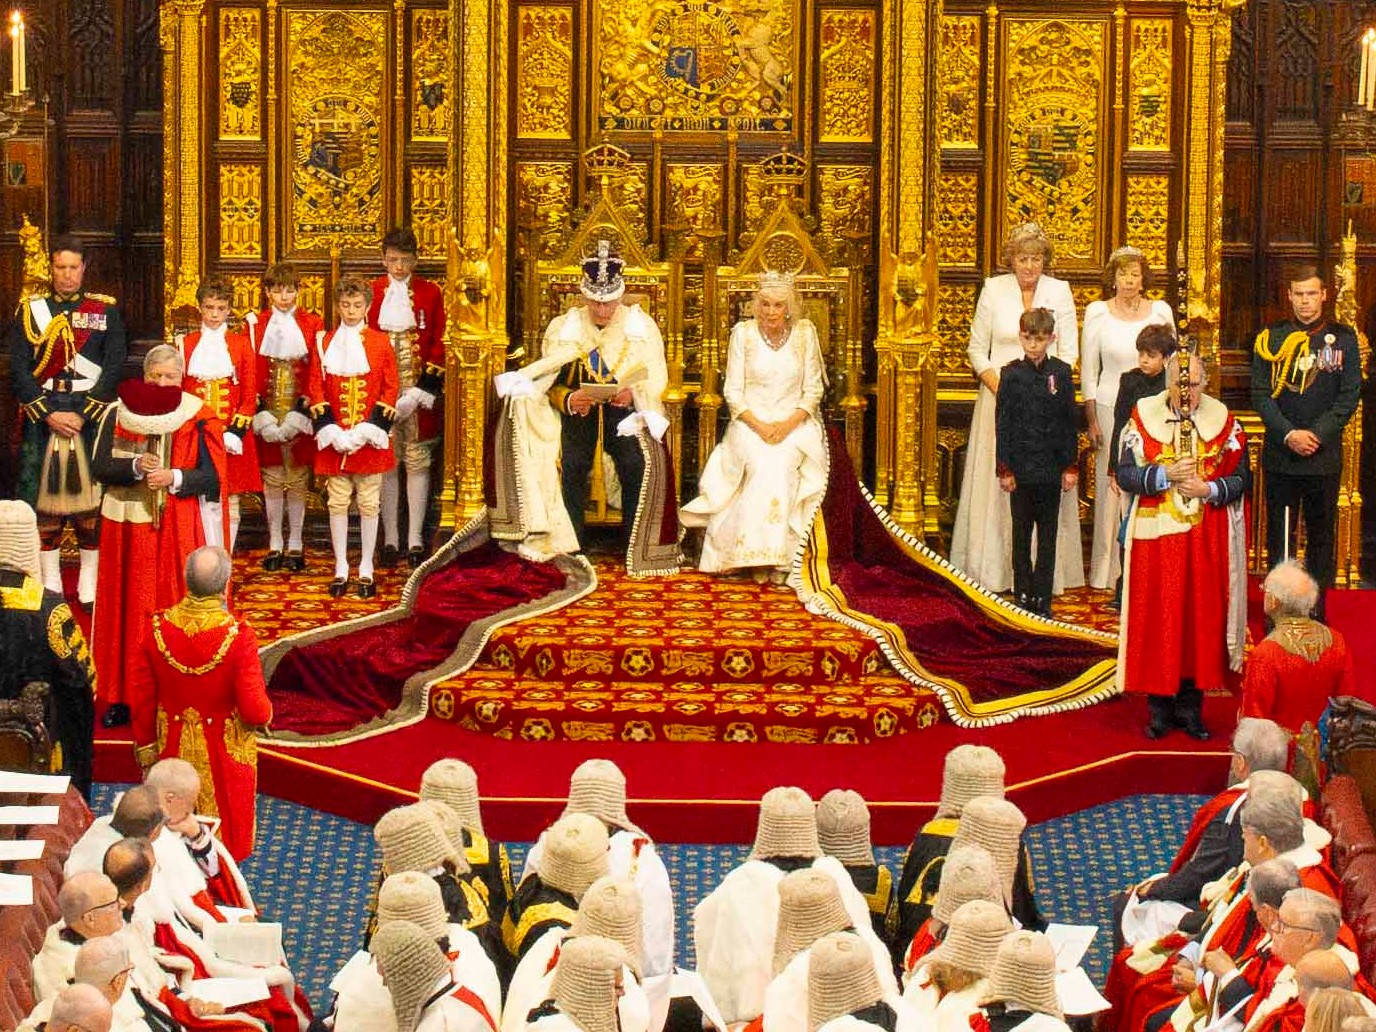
1291, 689
233, 400
302, 447
195, 688
349, 400
427, 302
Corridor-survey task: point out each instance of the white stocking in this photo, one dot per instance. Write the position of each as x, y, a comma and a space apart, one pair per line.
233, 522
86, 581
417, 500
272, 511
296, 519
367, 532
50, 567
339, 540
390, 498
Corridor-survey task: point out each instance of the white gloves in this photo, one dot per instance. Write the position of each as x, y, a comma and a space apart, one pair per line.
514, 384
294, 424
234, 444
407, 403
346, 442
652, 421
272, 433
371, 434
327, 436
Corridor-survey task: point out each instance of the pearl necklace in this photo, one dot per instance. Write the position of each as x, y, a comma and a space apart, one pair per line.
775, 343
1133, 311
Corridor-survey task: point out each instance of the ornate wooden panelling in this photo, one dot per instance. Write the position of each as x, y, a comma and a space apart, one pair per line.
429, 190
241, 87
958, 65
1147, 215
845, 85
544, 73
241, 211
957, 218
431, 106
845, 196
544, 198
95, 81
1149, 85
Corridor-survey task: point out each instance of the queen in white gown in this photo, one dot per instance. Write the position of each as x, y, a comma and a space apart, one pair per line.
1108, 350
982, 542
763, 481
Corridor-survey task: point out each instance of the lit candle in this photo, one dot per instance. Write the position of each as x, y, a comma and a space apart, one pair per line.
1361, 77
23, 53
16, 52
1371, 69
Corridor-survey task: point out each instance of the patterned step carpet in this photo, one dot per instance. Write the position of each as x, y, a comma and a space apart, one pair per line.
314, 872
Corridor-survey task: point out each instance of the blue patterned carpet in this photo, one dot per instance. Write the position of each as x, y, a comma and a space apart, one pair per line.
314, 872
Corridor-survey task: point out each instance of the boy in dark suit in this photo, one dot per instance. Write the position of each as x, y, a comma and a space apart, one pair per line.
1037, 449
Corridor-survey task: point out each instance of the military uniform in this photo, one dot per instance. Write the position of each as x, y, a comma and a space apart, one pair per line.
40, 641
66, 355
1305, 378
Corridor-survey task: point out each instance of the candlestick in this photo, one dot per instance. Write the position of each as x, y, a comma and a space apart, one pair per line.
1371, 69
23, 53
16, 52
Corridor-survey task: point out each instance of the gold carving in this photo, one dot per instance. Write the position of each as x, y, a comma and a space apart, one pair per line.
1149, 85
1055, 84
846, 76
955, 310
844, 203
752, 196
335, 104
695, 65
957, 70
248, 291
544, 73
1148, 209
629, 193
311, 296
430, 106
544, 198
240, 73
957, 218
241, 211
429, 196
694, 203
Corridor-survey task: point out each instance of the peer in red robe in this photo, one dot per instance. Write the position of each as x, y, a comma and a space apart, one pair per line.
196, 692
1184, 604
1295, 670
147, 529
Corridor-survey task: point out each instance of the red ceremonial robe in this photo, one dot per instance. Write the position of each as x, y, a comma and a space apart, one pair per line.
301, 450
350, 400
234, 400
1203, 816
427, 372
1185, 563
142, 563
1293, 673
195, 690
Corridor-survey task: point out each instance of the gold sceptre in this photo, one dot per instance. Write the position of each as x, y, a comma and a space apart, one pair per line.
1186, 351
161, 446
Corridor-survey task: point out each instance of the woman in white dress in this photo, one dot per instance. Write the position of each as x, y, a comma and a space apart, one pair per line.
764, 479
981, 544
1108, 350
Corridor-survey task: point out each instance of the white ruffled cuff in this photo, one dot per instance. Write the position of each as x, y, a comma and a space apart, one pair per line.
298, 422
327, 435
514, 384
372, 434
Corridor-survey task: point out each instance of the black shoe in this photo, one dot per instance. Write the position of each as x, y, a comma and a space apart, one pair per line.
1024, 602
415, 556
1161, 708
366, 587
295, 561
389, 556
1189, 715
272, 562
338, 587
1044, 608
116, 716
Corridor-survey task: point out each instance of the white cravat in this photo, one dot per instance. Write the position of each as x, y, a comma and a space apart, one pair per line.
210, 360
345, 355
396, 313
283, 337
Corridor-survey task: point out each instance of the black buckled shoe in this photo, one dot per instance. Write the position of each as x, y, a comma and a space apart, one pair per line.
338, 587
295, 561
1162, 710
366, 587
387, 559
415, 556
116, 716
272, 562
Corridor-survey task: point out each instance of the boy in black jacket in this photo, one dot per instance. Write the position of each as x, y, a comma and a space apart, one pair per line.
1155, 344
1037, 449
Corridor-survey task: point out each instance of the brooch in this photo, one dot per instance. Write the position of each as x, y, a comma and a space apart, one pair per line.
1051, 383
1330, 339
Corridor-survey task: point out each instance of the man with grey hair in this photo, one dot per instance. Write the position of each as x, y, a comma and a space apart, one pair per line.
190, 851
80, 1008
90, 907
1302, 663
160, 454
198, 662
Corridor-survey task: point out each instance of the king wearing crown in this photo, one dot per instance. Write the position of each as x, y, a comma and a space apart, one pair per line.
601, 375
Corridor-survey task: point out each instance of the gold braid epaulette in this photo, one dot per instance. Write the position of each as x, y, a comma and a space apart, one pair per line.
1294, 347
204, 668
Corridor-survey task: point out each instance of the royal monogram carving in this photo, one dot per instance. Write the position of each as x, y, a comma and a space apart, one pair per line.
957, 72
696, 65
337, 115
429, 190
544, 198
957, 218
240, 73
1055, 87
846, 79
430, 106
845, 200
1149, 85
544, 73
1147, 214
241, 211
